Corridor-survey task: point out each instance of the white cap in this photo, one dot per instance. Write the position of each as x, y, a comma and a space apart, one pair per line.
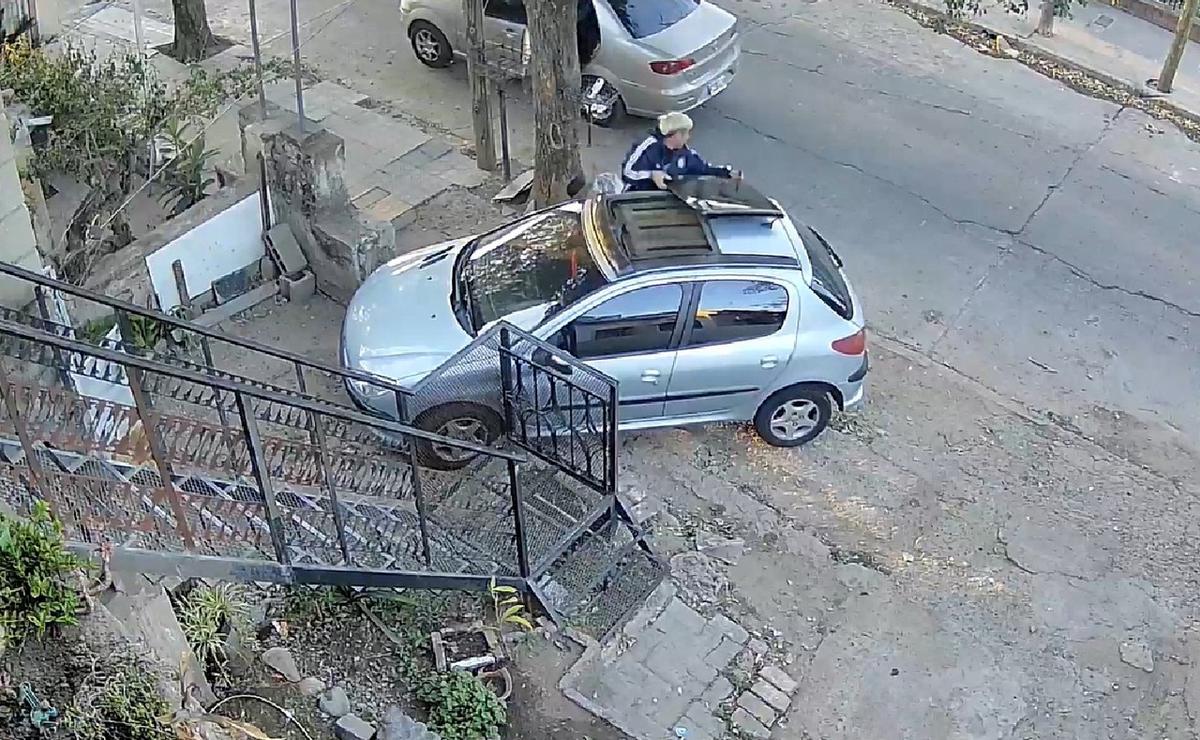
670, 123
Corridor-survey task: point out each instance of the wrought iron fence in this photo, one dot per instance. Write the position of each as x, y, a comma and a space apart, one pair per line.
173, 341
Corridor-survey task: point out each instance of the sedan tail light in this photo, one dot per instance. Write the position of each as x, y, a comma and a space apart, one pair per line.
855, 344
672, 67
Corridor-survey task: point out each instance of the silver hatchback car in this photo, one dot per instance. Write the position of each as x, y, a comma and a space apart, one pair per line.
706, 304
654, 56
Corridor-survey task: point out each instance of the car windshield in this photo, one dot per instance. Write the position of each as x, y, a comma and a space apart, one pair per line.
644, 18
827, 280
526, 271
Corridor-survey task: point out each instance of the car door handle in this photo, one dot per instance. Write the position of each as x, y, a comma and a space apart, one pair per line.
769, 361
650, 376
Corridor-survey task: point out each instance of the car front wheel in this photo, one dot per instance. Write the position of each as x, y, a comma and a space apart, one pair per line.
465, 422
430, 45
794, 416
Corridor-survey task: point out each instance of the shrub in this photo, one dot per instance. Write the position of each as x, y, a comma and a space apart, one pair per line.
37, 576
461, 707
209, 615
119, 700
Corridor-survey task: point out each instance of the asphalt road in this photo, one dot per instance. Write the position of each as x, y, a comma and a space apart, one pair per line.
1036, 240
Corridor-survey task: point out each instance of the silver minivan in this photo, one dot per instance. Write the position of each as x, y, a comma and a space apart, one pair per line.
706, 305
654, 56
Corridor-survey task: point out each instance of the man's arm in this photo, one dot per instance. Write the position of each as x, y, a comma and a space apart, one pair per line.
637, 167
691, 164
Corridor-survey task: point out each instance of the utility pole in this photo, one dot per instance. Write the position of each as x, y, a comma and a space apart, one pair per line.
1183, 32
481, 102
1045, 26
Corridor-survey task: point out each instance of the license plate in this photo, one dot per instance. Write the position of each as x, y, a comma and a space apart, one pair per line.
717, 85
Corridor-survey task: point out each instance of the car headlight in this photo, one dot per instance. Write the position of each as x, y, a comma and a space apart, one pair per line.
367, 391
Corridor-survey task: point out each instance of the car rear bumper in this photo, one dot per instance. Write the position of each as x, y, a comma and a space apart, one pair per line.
648, 101
853, 390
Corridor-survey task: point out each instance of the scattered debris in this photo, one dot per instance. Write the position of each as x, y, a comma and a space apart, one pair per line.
701, 581
334, 702
281, 661
310, 686
353, 727
1042, 365
399, 726
728, 549
1137, 654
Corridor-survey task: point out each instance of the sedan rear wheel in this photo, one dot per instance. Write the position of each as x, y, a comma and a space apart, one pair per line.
430, 45
794, 416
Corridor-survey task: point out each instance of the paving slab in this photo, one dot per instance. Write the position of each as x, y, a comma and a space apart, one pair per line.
652, 678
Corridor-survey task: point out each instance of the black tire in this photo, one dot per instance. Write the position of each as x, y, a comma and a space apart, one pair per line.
812, 403
442, 420
430, 45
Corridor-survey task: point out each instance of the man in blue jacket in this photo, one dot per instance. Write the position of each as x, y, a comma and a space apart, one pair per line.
665, 155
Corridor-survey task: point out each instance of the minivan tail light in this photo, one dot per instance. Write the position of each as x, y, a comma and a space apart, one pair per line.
855, 344
672, 67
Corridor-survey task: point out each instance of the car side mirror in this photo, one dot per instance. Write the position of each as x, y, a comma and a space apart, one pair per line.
546, 359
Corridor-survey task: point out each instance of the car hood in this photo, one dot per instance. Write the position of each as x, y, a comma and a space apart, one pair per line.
692, 33
400, 323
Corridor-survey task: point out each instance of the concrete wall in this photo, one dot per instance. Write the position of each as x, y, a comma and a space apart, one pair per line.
18, 243
1161, 15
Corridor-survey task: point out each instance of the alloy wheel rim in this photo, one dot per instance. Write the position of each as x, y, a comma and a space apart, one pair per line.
465, 429
427, 45
794, 419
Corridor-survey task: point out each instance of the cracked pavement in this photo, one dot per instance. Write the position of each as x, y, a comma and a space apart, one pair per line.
1006, 537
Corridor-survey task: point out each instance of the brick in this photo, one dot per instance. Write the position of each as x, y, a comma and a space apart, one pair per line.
781, 680
717, 692
353, 727
778, 700
748, 726
730, 629
701, 718
757, 707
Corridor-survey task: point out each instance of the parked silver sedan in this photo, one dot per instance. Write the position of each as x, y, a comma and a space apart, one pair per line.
706, 305
654, 56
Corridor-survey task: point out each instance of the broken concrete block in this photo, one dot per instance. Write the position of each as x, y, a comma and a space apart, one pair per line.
299, 288
777, 700
353, 727
781, 680
757, 707
286, 250
281, 661
748, 726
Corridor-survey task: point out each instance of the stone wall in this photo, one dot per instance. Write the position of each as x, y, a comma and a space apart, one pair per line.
18, 242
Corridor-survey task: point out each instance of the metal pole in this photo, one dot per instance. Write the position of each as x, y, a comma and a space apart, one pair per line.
418, 488
518, 505
36, 473
296, 62
149, 418
206, 349
138, 35
262, 476
504, 157
317, 436
264, 204
506, 379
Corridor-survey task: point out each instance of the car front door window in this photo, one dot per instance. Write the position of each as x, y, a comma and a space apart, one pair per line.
639, 322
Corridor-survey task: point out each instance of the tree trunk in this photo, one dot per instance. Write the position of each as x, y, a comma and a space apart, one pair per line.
1045, 26
193, 37
556, 99
1183, 32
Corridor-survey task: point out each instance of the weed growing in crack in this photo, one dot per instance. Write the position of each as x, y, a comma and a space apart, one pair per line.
210, 616
119, 699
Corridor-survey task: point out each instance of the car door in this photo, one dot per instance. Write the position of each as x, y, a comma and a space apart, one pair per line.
631, 337
740, 336
504, 30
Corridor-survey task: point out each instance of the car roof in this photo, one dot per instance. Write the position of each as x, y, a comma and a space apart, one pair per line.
699, 222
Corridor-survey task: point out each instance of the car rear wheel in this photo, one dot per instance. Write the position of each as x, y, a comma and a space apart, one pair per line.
430, 45
794, 416
466, 422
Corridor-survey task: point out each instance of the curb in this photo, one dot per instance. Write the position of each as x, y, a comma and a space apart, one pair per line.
1154, 105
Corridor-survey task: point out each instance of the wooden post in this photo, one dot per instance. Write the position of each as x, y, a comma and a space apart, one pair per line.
481, 103
1183, 32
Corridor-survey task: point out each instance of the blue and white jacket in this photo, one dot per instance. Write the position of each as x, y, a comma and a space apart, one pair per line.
652, 154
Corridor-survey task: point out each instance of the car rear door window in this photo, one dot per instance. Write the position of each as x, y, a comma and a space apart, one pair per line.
641, 321
644, 18
737, 310
512, 11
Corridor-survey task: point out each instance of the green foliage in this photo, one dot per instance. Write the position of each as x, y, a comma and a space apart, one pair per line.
312, 603
37, 576
119, 701
208, 616
963, 8
461, 707
94, 331
146, 332
185, 175
507, 607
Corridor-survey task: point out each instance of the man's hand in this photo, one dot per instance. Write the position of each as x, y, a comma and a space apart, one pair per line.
660, 179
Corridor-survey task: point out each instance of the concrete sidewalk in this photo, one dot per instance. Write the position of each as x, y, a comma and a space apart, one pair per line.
1100, 38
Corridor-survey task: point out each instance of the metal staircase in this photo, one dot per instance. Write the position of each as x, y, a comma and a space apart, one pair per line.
185, 465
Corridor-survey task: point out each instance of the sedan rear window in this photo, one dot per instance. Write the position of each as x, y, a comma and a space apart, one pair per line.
644, 18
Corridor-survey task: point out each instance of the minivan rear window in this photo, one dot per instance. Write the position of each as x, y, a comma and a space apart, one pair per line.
827, 281
644, 18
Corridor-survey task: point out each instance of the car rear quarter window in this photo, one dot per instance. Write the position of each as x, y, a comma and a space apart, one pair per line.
644, 18
737, 310
638, 322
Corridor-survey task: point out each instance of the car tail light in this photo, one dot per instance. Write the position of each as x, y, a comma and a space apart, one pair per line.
855, 344
672, 67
